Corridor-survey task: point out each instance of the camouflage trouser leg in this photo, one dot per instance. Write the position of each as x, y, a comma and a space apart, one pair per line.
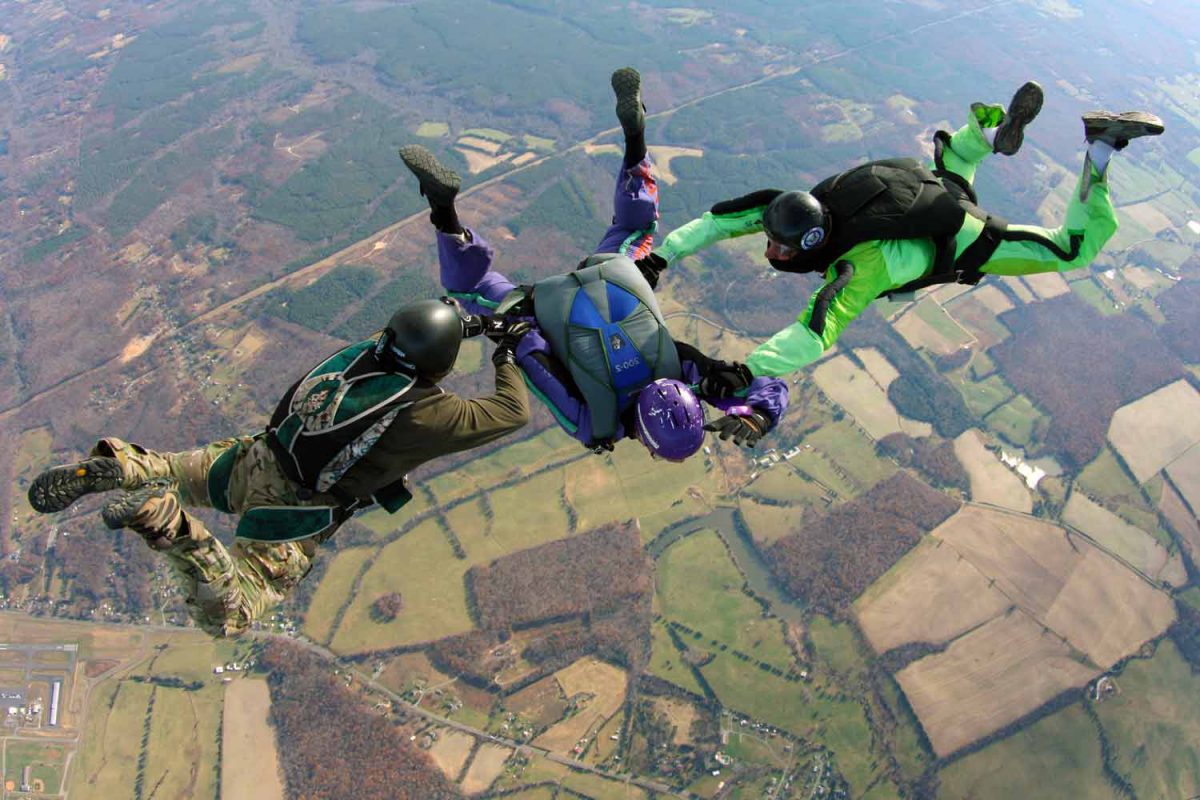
225, 589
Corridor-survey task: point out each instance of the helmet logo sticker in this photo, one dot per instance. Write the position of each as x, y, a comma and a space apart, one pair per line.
812, 238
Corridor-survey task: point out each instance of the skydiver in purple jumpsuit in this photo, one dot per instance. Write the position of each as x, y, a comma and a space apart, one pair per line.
753, 406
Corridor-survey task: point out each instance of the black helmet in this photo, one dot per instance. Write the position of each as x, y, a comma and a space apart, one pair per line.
423, 337
798, 220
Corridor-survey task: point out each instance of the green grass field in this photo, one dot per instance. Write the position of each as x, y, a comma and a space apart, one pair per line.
1093, 295
936, 317
837, 648
666, 663
1153, 725
768, 523
983, 396
538, 143
45, 762
1016, 420
106, 763
333, 591
1106, 479
699, 586
422, 568
433, 130
851, 450
526, 515
1057, 757
183, 737
681, 509
491, 134
782, 484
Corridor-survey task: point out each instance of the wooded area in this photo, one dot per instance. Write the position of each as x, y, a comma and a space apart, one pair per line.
598, 570
1081, 367
332, 745
831, 558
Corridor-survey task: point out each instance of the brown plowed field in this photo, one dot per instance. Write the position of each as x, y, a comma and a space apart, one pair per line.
931, 595
989, 678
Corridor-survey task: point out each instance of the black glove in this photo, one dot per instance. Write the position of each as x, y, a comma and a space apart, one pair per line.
651, 267
473, 325
724, 380
506, 335
746, 429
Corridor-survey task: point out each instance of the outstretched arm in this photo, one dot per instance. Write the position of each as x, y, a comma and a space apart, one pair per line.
847, 292
729, 219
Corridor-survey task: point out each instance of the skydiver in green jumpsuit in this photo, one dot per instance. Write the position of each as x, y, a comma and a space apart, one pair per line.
894, 226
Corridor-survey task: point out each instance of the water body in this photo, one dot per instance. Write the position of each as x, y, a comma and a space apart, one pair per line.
747, 558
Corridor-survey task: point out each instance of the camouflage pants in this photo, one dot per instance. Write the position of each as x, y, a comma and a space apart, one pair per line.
225, 589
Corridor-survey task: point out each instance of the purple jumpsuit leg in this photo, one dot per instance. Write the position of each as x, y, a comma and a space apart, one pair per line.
635, 212
465, 263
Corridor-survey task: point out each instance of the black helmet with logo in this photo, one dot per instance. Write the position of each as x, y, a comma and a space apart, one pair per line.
423, 337
797, 220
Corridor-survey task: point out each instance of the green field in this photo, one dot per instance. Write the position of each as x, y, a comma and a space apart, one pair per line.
782, 484
1037, 763
837, 648
106, 764
666, 663
538, 143
1106, 479
983, 396
1016, 420
1095, 296
433, 130
491, 134
1153, 725
333, 591
526, 515
183, 738
936, 317
45, 762
852, 451
699, 586
422, 568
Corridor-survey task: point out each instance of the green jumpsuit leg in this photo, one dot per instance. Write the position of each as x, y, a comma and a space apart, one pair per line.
225, 589
1030, 249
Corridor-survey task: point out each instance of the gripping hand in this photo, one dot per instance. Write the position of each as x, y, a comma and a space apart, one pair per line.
725, 380
745, 425
651, 267
507, 335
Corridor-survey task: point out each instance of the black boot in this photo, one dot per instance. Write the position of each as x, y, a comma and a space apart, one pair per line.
439, 185
59, 487
627, 86
1024, 106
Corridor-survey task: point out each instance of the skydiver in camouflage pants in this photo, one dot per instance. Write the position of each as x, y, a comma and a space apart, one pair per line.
225, 589
283, 518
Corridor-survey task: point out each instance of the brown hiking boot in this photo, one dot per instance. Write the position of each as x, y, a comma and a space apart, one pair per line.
153, 511
59, 487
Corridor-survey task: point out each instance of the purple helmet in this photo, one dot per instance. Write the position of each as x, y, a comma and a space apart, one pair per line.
670, 419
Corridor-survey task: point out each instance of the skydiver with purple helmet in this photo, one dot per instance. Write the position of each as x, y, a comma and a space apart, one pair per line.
598, 352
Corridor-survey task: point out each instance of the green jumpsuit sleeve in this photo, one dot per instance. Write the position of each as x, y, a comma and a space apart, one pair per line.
798, 345
708, 230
